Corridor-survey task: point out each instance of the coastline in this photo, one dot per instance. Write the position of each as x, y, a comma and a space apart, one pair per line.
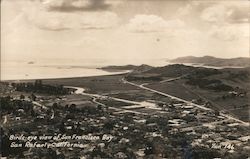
107, 73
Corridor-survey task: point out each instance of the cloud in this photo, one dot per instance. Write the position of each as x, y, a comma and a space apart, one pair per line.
76, 5
229, 21
240, 15
58, 22
230, 32
215, 13
152, 23
221, 20
230, 12
38, 15
184, 11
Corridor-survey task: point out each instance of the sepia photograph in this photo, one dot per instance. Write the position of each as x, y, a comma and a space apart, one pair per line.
125, 79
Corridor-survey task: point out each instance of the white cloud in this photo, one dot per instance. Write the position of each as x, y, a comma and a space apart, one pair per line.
184, 11
224, 21
38, 15
230, 12
230, 32
55, 21
152, 23
216, 13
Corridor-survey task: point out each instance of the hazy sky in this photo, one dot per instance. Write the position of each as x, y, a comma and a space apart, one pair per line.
124, 29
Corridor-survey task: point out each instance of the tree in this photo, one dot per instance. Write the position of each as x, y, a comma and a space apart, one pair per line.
72, 107
38, 83
99, 107
33, 113
22, 97
206, 153
33, 97
54, 106
109, 124
149, 148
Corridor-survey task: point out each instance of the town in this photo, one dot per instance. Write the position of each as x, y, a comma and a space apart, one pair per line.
107, 126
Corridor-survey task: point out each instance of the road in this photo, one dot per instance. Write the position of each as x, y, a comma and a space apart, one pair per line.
39, 105
94, 100
235, 119
204, 124
80, 90
217, 106
185, 101
5, 119
172, 79
166, 95
53, 114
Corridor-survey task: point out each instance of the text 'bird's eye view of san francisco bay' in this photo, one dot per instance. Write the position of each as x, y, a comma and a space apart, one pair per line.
125, 79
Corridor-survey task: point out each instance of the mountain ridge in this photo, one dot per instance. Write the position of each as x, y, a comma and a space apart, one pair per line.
213, 61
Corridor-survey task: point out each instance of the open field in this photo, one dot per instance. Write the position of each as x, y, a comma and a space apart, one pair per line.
96, 84
113, 86
175, 89
237, 106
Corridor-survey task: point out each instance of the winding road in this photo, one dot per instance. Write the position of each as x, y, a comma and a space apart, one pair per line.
5, 119
80, 90
166, 95
185, 101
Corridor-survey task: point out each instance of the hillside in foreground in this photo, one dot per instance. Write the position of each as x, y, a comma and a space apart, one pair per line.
225, 89
221, 89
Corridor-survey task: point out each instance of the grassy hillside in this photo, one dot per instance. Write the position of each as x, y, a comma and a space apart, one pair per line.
222, 89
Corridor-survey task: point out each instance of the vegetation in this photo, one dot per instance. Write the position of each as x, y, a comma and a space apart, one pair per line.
39, 87
144, 78
9, 105
216, 85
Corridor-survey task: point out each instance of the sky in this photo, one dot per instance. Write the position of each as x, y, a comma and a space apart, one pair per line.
123, 29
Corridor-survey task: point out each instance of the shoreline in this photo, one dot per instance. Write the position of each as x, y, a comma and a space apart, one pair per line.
61, 78
113, 72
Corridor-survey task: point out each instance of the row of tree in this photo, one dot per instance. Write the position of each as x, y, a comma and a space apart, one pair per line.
39, 87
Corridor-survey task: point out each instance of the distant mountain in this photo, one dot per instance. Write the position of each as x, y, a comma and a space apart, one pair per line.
213, 61
175, 71
133, 68
31, 62
171, 70
202, 77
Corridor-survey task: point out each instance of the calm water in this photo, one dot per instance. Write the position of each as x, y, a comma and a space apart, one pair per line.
62, 68
18, 72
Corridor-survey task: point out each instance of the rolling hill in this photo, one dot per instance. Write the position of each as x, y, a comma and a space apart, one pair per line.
213, 61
